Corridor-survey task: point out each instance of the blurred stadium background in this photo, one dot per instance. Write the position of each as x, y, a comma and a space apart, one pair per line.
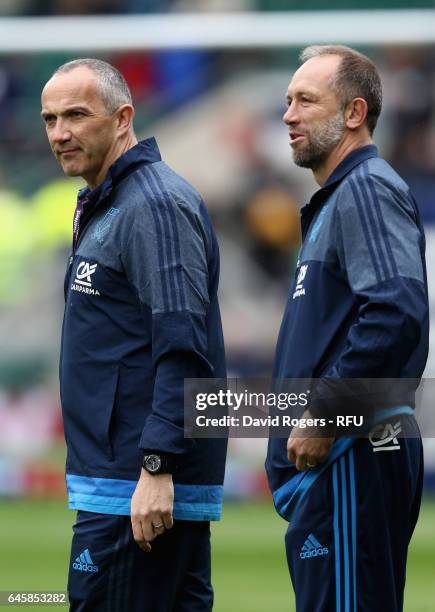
213, 96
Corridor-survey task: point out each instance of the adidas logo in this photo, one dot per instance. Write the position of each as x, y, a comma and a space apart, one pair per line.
312, 548
84, 563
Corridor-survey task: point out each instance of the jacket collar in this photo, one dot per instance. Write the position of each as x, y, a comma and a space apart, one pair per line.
356, 157
145, 152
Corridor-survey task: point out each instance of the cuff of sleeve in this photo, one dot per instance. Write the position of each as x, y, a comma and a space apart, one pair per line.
163, 436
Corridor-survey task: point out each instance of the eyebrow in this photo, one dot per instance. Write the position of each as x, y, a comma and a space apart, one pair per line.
303, 92
81, 109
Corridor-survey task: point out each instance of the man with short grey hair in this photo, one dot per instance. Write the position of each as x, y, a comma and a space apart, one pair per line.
357, 309
141, 315
111, 85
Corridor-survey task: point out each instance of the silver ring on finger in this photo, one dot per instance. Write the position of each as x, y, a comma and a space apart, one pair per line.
158, 526
311, 465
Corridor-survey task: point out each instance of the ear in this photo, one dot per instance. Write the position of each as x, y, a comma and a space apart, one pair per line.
125, 115
355, 113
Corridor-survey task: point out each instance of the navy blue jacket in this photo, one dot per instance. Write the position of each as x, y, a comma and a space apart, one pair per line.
358, 305
141, 315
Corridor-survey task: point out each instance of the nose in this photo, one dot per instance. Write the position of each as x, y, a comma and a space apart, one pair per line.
60, 132
290, 116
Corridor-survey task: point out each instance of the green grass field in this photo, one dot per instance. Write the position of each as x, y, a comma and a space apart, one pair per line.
249, 569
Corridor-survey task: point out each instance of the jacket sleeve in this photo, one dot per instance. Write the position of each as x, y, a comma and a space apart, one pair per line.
166, 261
381, 254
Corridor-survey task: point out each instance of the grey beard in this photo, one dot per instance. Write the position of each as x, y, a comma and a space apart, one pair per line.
322, 139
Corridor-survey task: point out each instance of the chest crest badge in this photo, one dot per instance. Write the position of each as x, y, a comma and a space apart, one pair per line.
104, 225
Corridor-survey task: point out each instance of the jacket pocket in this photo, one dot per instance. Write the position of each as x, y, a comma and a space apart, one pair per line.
88, 400
132, 406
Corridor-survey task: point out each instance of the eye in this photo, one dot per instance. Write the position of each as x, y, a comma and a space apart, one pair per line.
76, 114
49, 119
308, 100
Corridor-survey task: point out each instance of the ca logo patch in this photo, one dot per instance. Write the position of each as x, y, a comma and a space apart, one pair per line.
83, 279
384, 437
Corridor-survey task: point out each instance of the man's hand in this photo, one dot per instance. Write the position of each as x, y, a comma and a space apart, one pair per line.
151, 508
304, 449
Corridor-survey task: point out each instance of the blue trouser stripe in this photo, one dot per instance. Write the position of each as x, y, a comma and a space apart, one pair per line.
336, 538
353, 522
344, 521
344, 502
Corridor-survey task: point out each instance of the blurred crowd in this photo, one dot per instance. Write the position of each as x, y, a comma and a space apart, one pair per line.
99, 7
110, 7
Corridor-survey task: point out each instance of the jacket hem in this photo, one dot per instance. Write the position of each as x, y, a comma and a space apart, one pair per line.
112, 496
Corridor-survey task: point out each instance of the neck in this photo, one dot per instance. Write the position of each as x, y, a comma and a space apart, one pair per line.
119, 149
348, 144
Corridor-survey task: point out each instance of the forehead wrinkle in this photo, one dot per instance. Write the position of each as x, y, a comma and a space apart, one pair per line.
301, 88
321, 91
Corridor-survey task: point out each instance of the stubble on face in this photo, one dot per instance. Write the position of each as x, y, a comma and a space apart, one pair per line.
321, 140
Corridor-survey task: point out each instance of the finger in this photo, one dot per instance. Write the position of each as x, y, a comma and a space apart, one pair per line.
139, 536
148, 529
168, 520
292, 457
301, 463
158, 527
291, 453
311, 462
145, 546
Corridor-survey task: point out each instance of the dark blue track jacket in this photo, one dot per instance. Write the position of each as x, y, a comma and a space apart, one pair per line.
141, 315
358, 305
